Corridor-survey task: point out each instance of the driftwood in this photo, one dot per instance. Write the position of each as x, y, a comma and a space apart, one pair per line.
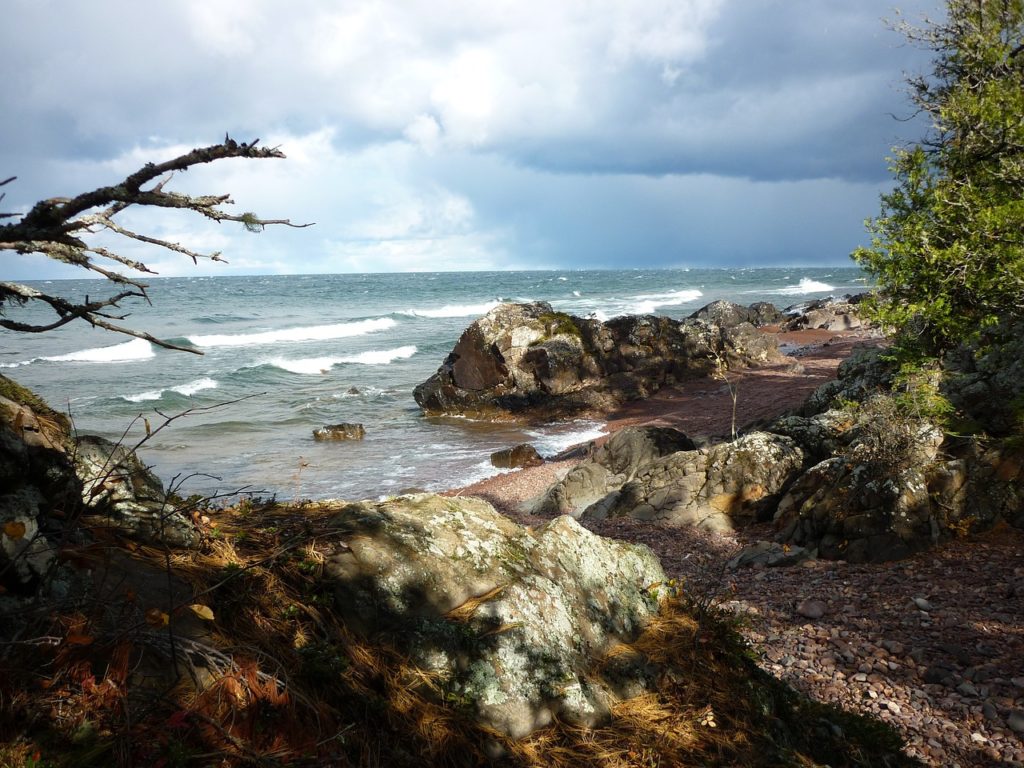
57, 228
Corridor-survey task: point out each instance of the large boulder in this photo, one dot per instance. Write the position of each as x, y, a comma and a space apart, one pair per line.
119, 491
36, 478
610, 467
718, 487
727, 314
509, 620
528, 361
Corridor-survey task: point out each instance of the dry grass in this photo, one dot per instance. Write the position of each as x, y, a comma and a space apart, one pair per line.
276, 679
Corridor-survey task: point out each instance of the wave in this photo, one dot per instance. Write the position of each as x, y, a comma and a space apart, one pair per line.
806, 285
453, 310
129, 351
315, 365
307, 333
182, 389
551, 442
648, 303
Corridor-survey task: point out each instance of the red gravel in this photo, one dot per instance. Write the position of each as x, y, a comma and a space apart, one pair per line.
950, 676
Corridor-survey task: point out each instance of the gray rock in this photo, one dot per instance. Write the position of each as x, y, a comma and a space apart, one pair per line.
828, 314
119, 491
769, 554
1015, 721
508, 619
811, 609
343, 431
922, 604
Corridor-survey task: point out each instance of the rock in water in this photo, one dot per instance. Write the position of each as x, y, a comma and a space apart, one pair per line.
343, 431
527, 360
524, 455
511, 620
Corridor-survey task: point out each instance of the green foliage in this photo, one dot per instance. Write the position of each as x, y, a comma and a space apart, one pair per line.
948, 247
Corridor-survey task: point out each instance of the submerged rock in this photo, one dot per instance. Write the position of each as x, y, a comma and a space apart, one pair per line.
511, 620
343, 431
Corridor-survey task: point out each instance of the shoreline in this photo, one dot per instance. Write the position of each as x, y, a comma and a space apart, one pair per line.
701, 408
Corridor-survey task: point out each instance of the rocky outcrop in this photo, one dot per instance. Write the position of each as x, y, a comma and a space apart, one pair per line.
528, 361
509, 620
516, 457
728, 314
829, 314
718, 487
343, 431
120, 492
985, 381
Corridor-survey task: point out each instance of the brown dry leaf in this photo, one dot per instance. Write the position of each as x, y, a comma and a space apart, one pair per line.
14, 529
202, 611
77, 639
157, 618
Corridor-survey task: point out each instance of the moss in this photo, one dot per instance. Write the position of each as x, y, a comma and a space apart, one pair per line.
557, 324
14, 391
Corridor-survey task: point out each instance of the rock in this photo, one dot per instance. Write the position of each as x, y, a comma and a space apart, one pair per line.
609, 467
120, 489
827, 314
922, 604
353, 391
527, 360
811, 609
719, 487
343, 431
524, 455
770, 554
508, 619
727, 314
1015, 721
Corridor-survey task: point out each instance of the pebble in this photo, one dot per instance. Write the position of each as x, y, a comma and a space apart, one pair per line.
923, 604
811, 609
1016, 721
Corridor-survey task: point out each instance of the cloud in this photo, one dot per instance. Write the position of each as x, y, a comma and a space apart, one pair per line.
470, 133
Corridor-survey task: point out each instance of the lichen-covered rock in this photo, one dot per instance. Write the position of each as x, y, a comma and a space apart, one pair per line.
509, 620
719, 487
819, 436
118, 487
865, 373
770, 554
528, 361
36, 478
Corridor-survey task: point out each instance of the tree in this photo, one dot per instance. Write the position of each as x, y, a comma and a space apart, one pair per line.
58, 228
948, 247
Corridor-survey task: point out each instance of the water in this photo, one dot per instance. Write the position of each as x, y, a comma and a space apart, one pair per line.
286, 354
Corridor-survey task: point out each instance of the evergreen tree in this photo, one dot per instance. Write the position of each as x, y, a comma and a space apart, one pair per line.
948, 247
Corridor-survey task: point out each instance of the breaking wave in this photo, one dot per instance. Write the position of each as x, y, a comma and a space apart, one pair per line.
307, 333
317, 365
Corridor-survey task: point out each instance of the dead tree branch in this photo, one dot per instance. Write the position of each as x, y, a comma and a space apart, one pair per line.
56, 228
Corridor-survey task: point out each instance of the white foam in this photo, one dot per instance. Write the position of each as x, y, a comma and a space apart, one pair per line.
182, 389
307, 333
648, 303
318, 365
806, 285
548, 443
454, 310
136, 349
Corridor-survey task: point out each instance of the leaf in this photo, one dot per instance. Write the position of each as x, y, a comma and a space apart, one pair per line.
14, 529
202, 611
157, 618
77, 639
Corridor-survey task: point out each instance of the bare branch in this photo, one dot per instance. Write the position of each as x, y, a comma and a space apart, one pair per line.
55, 227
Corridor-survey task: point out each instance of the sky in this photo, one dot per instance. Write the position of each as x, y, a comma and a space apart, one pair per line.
432, 135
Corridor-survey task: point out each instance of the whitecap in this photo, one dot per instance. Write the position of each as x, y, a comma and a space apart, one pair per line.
188, 390
316, 365
453, 310
648, 303
129, 351
305, 333
552, 441
806, 285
